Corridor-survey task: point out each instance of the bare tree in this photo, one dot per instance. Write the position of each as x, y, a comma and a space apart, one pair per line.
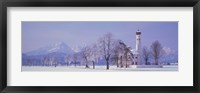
126, 51
45, 61
50, 61
55, 61
106, 46
68, 59
75, 58
114, 58
86, 55
146, 54
30, 62
157, 51
94, 54
117, 49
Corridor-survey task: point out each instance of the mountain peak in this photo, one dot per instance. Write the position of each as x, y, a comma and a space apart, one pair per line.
59, 47
60, 44
56, 44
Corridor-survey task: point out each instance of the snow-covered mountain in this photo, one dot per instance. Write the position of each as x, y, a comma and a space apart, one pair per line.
60, 47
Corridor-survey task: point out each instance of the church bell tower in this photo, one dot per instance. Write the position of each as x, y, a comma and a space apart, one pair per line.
138, 47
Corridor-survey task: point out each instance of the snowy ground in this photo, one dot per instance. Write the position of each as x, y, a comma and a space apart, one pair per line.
97, 69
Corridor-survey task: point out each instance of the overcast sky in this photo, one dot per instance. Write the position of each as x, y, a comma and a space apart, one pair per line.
39, 34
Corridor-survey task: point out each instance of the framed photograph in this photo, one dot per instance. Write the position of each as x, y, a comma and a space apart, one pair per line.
106, 46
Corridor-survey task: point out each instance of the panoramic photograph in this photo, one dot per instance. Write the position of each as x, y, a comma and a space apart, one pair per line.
99, 46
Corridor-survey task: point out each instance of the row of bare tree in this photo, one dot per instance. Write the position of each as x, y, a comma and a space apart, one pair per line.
111, 50
88, 54
114, 51
107, 48
50, 61
156, 52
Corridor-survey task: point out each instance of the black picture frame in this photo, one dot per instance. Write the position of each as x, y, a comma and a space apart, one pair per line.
98, 3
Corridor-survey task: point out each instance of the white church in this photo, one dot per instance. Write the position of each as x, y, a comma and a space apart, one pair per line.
134, 55
131, 56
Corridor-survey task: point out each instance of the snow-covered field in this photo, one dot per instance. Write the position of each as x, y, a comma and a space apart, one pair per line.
97, 69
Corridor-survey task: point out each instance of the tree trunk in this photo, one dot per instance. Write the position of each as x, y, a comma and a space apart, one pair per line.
126, 62
117, 64
146, 61
121, 62
93, 65
156, 61
86, 65
75, 63
107, 67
